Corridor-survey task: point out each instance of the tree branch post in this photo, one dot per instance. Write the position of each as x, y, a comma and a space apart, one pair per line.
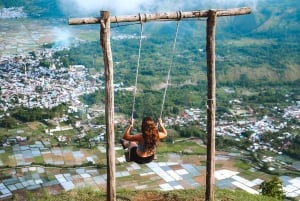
109, 105
211, 104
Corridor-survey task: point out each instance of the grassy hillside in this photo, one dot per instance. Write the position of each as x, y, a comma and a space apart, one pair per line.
142, 195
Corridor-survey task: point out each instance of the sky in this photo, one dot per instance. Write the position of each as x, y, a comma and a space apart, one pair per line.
87, 8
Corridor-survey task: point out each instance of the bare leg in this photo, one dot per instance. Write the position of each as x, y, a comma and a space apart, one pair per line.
127, 144
124, 143
132, 144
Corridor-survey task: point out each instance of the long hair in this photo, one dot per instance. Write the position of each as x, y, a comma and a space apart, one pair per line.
150, 134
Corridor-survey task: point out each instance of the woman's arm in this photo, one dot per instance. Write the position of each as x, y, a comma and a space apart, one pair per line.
162, 131
127, 133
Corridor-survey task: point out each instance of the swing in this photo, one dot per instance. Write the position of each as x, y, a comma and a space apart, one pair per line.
127, 153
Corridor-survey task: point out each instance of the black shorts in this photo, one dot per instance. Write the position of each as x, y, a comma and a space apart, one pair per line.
140, 160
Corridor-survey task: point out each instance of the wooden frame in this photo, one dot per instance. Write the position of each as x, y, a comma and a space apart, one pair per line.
104, 22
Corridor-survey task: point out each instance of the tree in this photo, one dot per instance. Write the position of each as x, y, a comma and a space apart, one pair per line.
8, 122
272, 188
39, 89
294, 149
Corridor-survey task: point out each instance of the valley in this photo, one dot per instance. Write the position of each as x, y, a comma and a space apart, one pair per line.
52, 125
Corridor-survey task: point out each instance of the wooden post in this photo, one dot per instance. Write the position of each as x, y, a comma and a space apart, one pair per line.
211, 104
109, 105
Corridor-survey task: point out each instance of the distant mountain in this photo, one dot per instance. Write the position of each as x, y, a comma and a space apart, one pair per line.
268, 16
266, 40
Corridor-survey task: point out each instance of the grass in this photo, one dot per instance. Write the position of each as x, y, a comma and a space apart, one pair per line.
89, 194
242, 165
38, 159
6, 157
90, 35
65, 132
181, 147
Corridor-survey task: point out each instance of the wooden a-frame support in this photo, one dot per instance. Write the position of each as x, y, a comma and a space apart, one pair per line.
104, 22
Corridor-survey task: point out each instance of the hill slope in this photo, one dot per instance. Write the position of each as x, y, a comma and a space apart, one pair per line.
178, 195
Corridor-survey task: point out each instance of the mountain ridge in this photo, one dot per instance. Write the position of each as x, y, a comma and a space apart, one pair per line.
263, 41
268, 16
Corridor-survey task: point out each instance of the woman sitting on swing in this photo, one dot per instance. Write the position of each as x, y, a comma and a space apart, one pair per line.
142, 147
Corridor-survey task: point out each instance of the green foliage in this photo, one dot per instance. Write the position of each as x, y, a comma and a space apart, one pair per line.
90, 194
247, 134
225, 142
182, 147
242, 165
172, 135
192, 131
98, 120
37, 114
45, 63
39, 89
8, 122
148, 103
94, 98
84, 54
294, 149
273, 188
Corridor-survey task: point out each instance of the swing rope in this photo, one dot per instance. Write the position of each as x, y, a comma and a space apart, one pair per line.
138, 66
170, 68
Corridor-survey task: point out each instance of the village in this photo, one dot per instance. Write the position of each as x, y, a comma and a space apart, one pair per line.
22, 78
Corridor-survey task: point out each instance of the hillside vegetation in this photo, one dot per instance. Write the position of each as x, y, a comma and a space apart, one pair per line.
260, 47
142, 195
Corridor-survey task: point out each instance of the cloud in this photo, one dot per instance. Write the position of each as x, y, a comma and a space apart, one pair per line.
76, 8
62, 37
79, 7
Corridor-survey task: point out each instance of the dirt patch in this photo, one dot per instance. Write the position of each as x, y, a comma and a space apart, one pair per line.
226, 164
202, 178
21, 195
159, 86
33, 125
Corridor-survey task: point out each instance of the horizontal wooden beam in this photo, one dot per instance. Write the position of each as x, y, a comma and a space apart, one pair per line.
165, 16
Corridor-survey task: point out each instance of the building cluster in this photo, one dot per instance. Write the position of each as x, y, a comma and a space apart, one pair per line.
258, 127
237, 123
26, 83
187, 116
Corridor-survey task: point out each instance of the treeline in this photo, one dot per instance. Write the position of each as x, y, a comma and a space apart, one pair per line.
37, 114
294, 149
189, 62
23, 114
149, 102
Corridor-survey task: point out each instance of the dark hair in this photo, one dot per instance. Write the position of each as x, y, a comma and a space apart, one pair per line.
150, 134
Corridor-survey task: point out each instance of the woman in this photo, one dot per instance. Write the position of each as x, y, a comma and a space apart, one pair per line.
142, 147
